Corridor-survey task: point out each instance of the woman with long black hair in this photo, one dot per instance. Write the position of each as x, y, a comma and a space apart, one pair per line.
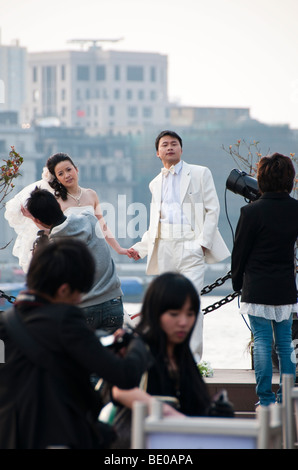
169, 311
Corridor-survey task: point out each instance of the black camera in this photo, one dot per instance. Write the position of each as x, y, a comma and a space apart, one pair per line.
115, 343
241, 183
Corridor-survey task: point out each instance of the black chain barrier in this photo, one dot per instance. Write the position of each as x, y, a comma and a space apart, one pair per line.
10, 298
219, 282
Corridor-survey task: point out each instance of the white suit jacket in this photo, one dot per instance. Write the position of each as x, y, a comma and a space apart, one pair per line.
200, 204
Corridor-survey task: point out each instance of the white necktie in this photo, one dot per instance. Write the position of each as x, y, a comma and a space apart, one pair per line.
166, 171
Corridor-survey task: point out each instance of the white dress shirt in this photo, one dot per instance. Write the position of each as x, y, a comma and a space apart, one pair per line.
171, 210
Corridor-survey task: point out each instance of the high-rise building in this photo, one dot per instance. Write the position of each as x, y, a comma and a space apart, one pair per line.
13, 65
103, 91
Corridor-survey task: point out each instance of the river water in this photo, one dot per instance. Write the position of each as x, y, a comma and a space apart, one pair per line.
226, 335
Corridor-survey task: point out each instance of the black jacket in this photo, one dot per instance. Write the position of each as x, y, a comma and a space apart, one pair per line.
263, 253
37, 408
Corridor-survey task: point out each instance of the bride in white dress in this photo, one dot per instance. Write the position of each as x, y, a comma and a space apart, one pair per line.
60, 176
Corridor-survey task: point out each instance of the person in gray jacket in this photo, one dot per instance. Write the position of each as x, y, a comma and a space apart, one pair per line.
102, 305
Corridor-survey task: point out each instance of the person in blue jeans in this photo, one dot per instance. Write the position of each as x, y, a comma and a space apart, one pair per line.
263, 267
107, 316
102, 305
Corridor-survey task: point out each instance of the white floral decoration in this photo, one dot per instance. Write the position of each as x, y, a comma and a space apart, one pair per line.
205, 369
47, 175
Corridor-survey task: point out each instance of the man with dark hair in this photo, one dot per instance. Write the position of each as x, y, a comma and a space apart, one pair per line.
184, 212
46, 397
102, 305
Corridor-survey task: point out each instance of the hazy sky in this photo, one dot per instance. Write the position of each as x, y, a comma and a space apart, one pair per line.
241, 53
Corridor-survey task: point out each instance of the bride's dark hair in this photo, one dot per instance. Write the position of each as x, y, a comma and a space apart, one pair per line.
59, 189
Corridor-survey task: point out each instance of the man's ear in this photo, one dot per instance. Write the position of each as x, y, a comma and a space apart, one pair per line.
63, 294
63, 291
39, 223
66, 295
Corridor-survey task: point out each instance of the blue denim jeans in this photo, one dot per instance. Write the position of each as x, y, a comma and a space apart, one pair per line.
107, 316
263, 332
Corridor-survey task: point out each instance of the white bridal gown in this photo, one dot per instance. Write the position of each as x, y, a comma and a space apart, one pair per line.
24, 227
26, 230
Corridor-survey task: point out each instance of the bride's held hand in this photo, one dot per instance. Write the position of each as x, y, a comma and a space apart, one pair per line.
128, 252
133, 254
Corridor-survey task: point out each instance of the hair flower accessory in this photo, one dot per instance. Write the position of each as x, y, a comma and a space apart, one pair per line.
47, 175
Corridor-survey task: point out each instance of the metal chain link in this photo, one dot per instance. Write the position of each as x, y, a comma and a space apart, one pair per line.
221, 302
219, 282
7, 297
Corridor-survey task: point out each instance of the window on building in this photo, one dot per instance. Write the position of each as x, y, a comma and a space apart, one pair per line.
100, 73
111, 110
117, 72
34, 74
49, 91
83, 72
153, 74
141, 94
132, 111
152, 95
103, 171
62, 72
129, 94
80, 112
147, 112
63, 94
82, 172
117, 94
135, 73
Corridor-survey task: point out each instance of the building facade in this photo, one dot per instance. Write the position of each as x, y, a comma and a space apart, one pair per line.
102, 91
13, 65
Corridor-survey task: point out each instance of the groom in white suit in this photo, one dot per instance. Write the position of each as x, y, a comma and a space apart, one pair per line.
183, 232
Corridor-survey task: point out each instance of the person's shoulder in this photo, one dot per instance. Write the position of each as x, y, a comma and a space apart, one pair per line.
197, 171
63, 307
294, 200
91, 193
90, 197
252, 207
195, 168
156, 179
59, 311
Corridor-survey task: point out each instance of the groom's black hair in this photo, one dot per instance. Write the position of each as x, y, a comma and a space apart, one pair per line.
171, 134
44, 206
